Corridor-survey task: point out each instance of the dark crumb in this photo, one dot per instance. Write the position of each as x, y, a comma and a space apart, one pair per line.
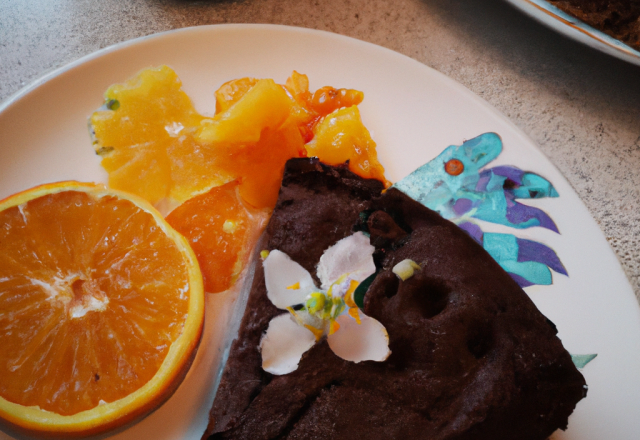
617, 18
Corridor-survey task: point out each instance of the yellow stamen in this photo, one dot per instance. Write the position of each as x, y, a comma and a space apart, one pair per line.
264, 254
295, 315
333, 327
348, 297
316, 331
315, 303
295, 286
353, 311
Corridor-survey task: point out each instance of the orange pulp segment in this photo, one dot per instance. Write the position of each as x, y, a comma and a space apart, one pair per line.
230, 92
222, 232
145, 136
102, 308
254, 138
342, 136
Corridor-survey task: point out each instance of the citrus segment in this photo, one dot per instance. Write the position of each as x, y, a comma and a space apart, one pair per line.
260, 167
301, 112
221, 230
145, 136
253, 139
230, 92
102, 308
342, 136
329, 99
264, 106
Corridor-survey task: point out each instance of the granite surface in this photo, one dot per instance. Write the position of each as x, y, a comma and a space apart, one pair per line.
580, 106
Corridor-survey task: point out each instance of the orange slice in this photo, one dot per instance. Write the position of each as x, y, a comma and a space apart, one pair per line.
222, 232
102, 309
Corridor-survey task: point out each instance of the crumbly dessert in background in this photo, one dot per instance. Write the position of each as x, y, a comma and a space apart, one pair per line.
471, 355
617, 18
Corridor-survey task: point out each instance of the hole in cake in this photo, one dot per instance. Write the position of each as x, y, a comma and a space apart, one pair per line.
427, 295
479, 340
391, 284
361, 224
400, 242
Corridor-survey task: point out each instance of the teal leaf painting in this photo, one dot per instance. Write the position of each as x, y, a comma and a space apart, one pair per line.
581, 360
456, 185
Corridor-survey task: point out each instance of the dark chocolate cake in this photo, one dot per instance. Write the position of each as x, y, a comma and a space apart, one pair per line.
617, 18
472, 357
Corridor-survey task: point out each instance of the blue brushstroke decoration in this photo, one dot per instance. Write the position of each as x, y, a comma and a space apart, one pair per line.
455, 185
581, 360
488, 195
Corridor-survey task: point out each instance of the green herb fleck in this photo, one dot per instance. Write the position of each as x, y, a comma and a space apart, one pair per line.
112, 104
102, 151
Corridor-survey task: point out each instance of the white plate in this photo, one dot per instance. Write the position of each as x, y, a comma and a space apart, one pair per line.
570, 26
413, 113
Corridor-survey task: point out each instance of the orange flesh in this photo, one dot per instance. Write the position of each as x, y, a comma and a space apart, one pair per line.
253, 139
89, 313
230, 92
258, 126
328, 99
342, 136
220, 230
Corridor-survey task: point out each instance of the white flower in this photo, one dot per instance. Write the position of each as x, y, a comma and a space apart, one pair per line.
326, 311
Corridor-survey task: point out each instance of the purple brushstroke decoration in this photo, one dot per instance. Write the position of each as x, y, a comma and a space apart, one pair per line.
529, 250
518, 213
522, 282
512, 173
473, 230
462, 206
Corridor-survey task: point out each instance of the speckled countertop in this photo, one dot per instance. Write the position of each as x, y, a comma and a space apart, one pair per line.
580, 106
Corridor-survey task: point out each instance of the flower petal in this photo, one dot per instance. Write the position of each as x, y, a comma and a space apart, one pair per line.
355, 342
352, 255
287, 282
283, 345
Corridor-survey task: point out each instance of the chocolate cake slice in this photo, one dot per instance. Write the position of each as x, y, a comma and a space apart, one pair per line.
617, 18
472, 357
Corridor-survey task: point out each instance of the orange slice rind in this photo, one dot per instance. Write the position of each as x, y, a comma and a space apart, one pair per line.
178, 285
